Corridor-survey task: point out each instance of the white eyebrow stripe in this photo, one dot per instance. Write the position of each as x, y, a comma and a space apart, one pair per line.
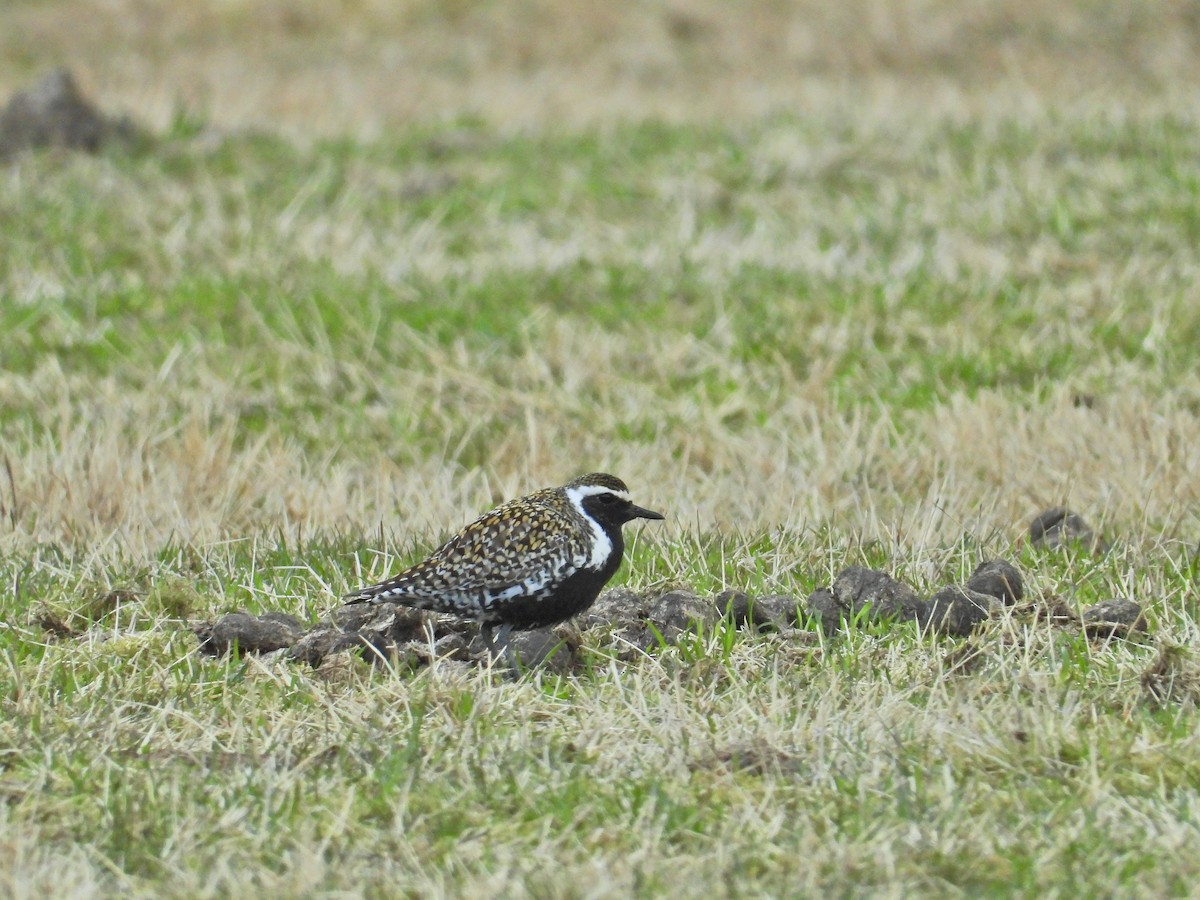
591, 490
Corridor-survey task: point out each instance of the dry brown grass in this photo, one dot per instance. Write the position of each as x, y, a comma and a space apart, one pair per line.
365, 65
138, 473
954, 283
812, 434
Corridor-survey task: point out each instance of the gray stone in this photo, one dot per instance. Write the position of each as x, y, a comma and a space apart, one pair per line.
959, 610
321, 642
736, 606
616, 607
1114, 618
53, 113
824, 607
543, 649
771, 612
241, 632
858, 588
1000, 579
355, 616
678, 611
633, 618
1058, 528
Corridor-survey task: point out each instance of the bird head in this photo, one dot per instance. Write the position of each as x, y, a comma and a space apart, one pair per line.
606, 499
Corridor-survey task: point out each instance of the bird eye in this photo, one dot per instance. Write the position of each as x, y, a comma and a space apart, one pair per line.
607, 499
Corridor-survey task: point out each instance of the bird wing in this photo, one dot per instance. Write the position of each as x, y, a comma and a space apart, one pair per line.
507, 547
517, 544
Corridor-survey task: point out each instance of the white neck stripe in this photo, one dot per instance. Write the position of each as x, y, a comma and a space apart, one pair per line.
601, 545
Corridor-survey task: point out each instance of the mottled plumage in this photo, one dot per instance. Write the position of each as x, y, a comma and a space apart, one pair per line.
529, 563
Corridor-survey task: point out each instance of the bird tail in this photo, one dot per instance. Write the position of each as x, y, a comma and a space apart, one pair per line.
386, 592
370, 594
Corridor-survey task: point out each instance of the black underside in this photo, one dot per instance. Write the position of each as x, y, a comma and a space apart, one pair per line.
569, 599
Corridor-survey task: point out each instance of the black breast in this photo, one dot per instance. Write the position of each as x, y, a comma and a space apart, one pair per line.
568, 598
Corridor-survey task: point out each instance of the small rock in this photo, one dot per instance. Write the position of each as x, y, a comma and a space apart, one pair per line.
772, 612
243, 633
619, 606
53, 113
959, 610
1114, 618
736, 605
355, 616
1052, 609
555, 650
824, 607
1000, 579
321, 642
551, 651
858, 588
632, 641
285, 619
678, 611
1057, 528
629, 615
451, 646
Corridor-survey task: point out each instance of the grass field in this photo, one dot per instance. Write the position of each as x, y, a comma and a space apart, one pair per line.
253, 368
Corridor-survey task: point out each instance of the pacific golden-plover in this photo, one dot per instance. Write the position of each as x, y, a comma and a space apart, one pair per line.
529, 563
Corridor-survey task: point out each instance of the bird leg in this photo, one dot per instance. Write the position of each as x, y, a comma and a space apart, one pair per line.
502, 634
497, 643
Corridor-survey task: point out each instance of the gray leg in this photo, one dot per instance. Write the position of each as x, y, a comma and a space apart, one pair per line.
509, 654
497, 643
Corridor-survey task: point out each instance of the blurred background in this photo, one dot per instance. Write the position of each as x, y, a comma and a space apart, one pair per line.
358, 66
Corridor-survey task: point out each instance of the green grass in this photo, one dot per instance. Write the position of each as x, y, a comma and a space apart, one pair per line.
1089, 195
239, 373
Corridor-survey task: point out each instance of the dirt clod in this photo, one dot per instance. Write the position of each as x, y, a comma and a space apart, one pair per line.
1114, 618
1000, 579
555, 650
958, 610
616, 607
54, 113
772, 612
1058, 528
678, 611
240, 632
321, 642
858, 588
